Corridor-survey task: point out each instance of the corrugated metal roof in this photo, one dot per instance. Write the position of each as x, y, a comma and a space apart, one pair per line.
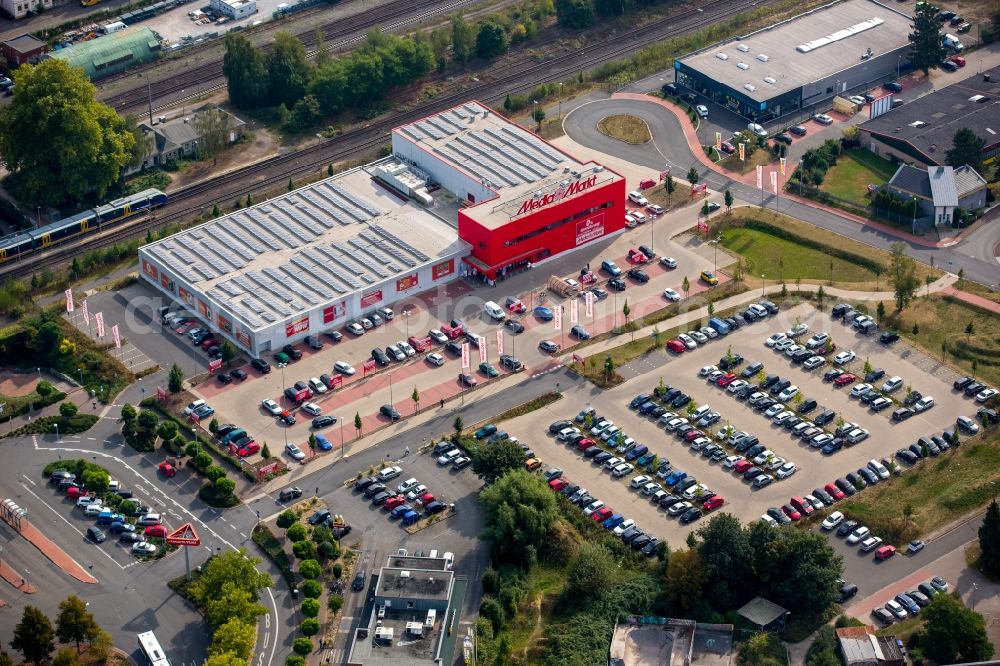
943, 186
967, 180
112, 53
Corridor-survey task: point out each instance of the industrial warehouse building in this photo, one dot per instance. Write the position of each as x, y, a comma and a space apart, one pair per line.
336, 250
111, 53
802, 62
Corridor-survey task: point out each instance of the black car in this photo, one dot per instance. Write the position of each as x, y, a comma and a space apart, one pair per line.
916, 450
593, 451
798, 130
638, 275
293, 352
319, 517
435, 507
846, 486
510, 362
289, 494
383, 359
912, 397
649, 550
974, 388
801, 355
883, 616
95, 534
224, 378
948, 66
778, 515
752, 369
892, 86
335, 335
807, 406
783, 138
617, 284
514, 325
874, 375
669, 501
681, 400
907, 456
690, 515
780, 386
239, 374
846, 527
365, 482
374, 489
648, 251
640, 541
962, 382
824, 417
453, 347
744, 392
579, 332
769, 381
260, 365
380, 498
323, 421
945, 14
888, 337
832, 374
769, 306
389, 411
902, 414
556, 426
601, 457
631, 533
730, 361
670, 394
823, 496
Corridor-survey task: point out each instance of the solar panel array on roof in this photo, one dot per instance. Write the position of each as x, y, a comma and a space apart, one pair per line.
388, 235
534, 142
429, 129
383, 245
354, 199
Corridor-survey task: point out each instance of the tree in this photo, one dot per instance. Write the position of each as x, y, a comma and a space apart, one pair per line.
880, 311
462, 40
302, 646
686, 286
68, 410
232, 567
809, 570
33, 636
175, 382
310, 607
213, 125
733, 581
288, 70
66, 657
693, 176
57, 141
265, 452
538, 115
588, 574
493, 461
669, 185
458, 424
970, 329
305, 114
967, 148
233, 603
74, 624
520, 510
953, 633
167, 430
989, 540
224, 486
415, 397
245, 70
926, 48
574, 13
358, 422
234, 637
728, 198
491, 39
310, 569
609, 367
5, 659
705, 210
296, 533
685, 581
903, 274
626, 311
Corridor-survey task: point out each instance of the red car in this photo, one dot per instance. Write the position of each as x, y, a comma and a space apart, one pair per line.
885, 552
75, 492
453, 331
676, 346
167, 469
728, 148
602, 514
958, 60
713, 504
726, 379
419, 344
248, 450
425, 499
585, 444
393, 502
558, 484
159, 531
742, 466
692, 435
637, 257
845, 379
835, 492
803, 506
791, 512
208, 342
649, 182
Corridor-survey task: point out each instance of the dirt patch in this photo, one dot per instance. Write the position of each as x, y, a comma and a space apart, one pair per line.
15, 384
627, 128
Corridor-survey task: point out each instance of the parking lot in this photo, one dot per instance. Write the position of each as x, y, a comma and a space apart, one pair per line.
813, 469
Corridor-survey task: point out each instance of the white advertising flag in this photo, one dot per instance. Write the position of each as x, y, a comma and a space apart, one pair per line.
482, 349
99, 318
117, 337
760, 177
589, 301
774, 181
499, 342
557, 317
86, 314
574, 311
465, 355
69, 300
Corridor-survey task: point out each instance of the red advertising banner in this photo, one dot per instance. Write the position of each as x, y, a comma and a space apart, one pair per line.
166, 282
369, 366
150, 270
700, 187
577, 359
204, 308
465, 356
267, 469
117, 336
242, 337
214, 364
441, 270
664, 174
99, 319
161, 393
589, 229
334, 311
296, 327
225, 324
702, 226
557, 317
185, 295
482, 350
574, 311
499, 342
69, 300
588, 299
408, 282
336, 382
371, 298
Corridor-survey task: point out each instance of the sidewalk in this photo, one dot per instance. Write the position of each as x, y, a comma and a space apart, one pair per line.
972, 299
49, 549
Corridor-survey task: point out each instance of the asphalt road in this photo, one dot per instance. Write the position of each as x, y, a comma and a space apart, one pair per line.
669, 147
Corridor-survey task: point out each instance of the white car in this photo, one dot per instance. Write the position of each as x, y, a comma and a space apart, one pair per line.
669, 262
858, 534
344, 368
316, 386
774, 410
612, 462
857, 99
985, 394
143, 548
817, 340
688, 342
774, 463
639, 216
639, 481
715, 376
797, 330
635, 196
354, 328
592, 507
762, 457
860, 389
783, 344
697, 490
675, 423
698, 336
312, 408
406, 348
295, 452
596, 430
736, 386
416, 492
774, 339
709, 332
437, 336
435, 359
845, 356
573, 284
923, 404
271, 407
833, 520
707, 370
769, 520
896, 609
621, 470
655, 210
823, 119
788, 393
757, 129
671, 295
786, 470
870, 544
87, 500
878, 468
622, 526
793, 349
731, 461
702, 111
407, 486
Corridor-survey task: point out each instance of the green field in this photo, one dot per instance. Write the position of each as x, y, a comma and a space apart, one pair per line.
854, 171
778, 259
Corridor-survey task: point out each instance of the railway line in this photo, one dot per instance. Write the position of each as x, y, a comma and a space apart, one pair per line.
516, 75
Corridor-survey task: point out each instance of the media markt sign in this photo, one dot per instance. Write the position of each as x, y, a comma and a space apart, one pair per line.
558, 194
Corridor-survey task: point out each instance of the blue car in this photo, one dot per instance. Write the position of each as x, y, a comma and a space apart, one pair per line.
485, 431
401, 510
544, 313
322, 443
410, 517
675, 478
640, 450
614, 521
833, 446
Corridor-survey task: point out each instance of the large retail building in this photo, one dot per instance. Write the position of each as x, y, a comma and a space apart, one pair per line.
837, 49
316, 258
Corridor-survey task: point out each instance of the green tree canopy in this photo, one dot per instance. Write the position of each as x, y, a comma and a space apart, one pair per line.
520, 510
723, 549
288, 70
74, 624
903, 274
462, 39
989, 540
809, 569
233, 567
234, 636
685, 581
57, 140
953, 633
245, 70
588, 574
574, 13
491, 40
966, 148
926, 49
33, 636
233, 603
492, 461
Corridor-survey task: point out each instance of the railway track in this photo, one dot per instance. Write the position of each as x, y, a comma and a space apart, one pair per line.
207, 78
273, 172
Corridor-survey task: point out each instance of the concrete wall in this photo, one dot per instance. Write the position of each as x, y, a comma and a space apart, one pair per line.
452, 178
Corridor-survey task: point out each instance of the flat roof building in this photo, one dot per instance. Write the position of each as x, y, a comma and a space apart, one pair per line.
524, 199
235, 9
922, 131
657, 641
801, 62
23, 49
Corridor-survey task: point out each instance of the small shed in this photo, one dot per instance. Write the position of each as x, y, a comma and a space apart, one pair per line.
23, 49
764, 614
112, 53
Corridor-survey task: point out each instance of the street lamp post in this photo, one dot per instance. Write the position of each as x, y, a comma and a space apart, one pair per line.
560, 98
975, 588
762, 285
341, 438
801, 174
80, 370
285, 429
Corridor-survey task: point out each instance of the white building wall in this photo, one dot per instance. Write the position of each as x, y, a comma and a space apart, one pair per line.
454, 180
19, 8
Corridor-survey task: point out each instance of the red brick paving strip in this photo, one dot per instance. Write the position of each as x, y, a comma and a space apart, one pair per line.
11, 576
972, 299
56, 554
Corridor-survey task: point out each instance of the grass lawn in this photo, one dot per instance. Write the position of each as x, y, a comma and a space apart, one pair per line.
978, 290
681, 195
854, 171
779, 259
943, 319
624, 127
939, 491
761, 157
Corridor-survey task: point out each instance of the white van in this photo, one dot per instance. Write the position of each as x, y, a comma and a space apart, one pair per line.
493, 310
700, 412
386, 313
93, 509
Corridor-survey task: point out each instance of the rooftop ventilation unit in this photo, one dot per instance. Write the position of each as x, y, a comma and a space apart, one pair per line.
743, 65
742, 48
770, 79
977, 98
917, 123
722, 56
763, 57
750, 87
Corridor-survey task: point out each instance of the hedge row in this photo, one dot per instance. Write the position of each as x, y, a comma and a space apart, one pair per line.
264, 537
784, 234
